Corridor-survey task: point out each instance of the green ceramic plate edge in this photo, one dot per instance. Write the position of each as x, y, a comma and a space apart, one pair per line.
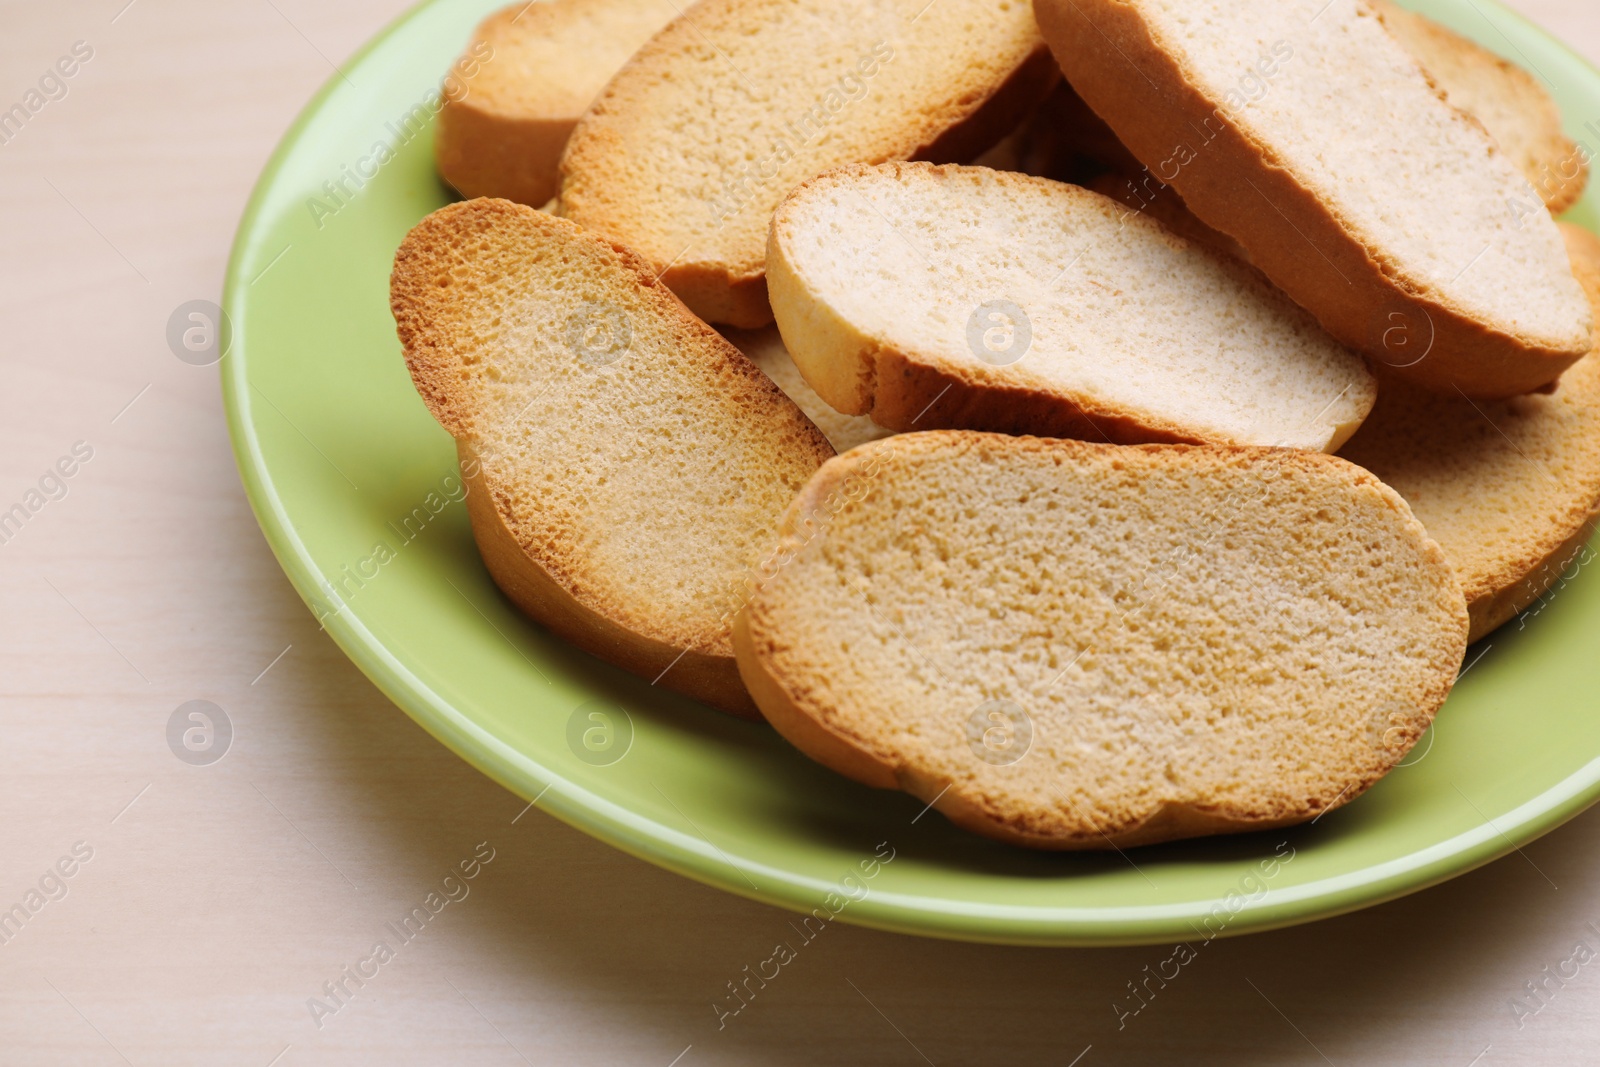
694, 857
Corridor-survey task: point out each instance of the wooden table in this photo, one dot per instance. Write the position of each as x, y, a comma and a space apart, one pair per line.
215, 901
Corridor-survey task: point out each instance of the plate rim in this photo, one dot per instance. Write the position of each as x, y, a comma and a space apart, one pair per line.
664, 846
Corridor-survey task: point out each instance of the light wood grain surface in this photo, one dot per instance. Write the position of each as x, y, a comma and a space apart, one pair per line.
217, 900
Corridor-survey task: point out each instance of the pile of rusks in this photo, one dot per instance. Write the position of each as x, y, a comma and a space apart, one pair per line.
1135, 453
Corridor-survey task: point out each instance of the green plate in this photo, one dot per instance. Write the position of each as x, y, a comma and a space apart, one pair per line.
353, 484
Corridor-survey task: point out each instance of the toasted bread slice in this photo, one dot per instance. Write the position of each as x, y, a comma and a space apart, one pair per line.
1067, 141
766, 350
626, 466
1519, 114
961, 297
1305, 131
1067, 645
528, 75
1510, 489
698, 138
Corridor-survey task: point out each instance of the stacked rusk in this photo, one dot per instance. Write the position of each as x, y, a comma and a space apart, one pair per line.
1090, 570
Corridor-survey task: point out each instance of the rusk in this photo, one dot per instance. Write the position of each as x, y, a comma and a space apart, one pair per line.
1067, 141
933, 297
1075, 646
626, 465
1305, 131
